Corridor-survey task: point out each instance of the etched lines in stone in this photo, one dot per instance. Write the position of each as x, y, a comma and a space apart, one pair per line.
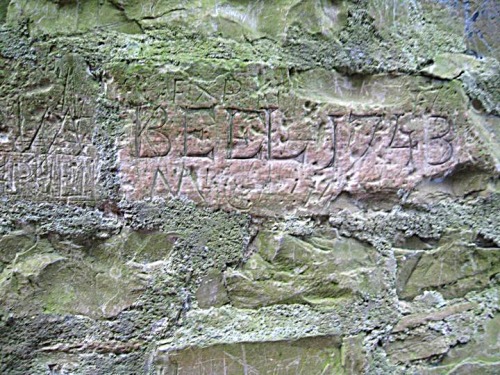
47, 153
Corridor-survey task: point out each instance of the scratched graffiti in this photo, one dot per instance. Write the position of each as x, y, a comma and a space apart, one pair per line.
317, 355
48, 155
46, 149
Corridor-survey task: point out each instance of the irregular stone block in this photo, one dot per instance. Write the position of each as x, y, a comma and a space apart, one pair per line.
212, 291
68, 16
479, 356
97, 280
354, 359
289, 145
316, 355
317, 271
453, 269
411, 321
417, 347
46, 130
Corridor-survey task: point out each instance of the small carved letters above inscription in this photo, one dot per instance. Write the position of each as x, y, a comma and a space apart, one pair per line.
273, 159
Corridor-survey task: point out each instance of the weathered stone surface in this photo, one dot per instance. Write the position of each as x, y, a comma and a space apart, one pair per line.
450, 66
317, 271
305, 356
68, 16
417, 347
47, 125
439, 334
243, 187
212, 291
454, 269
354, 359
270, 151
480, 355
59, 276
414, 320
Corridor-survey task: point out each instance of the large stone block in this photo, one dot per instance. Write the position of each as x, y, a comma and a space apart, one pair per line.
315, 355
453, 269
316, 271
282, 144
249, 187
47, 124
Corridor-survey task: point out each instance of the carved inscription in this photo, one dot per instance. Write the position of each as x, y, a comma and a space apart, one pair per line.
246, 141
63, 177
273, 159
46, 150
439, 136
150, 136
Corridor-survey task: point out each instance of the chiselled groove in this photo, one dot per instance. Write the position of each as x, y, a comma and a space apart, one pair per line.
37, 131
47, 153
248, 187
447, 156
185, 135
446, 131
151, 140
50, 176
238, 151
269, 140
411, 145
231, 136
137, 132
369, 145
441, 139
334, 143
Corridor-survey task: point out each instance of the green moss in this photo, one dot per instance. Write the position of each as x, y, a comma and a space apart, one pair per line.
57, 301
56, 18
132, 270
3, 10
288, 270
453, 269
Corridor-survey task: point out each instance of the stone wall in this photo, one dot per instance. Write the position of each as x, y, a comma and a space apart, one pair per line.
249, 187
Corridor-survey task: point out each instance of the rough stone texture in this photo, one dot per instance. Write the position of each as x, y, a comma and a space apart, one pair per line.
285, 269
309, 355
249, 187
